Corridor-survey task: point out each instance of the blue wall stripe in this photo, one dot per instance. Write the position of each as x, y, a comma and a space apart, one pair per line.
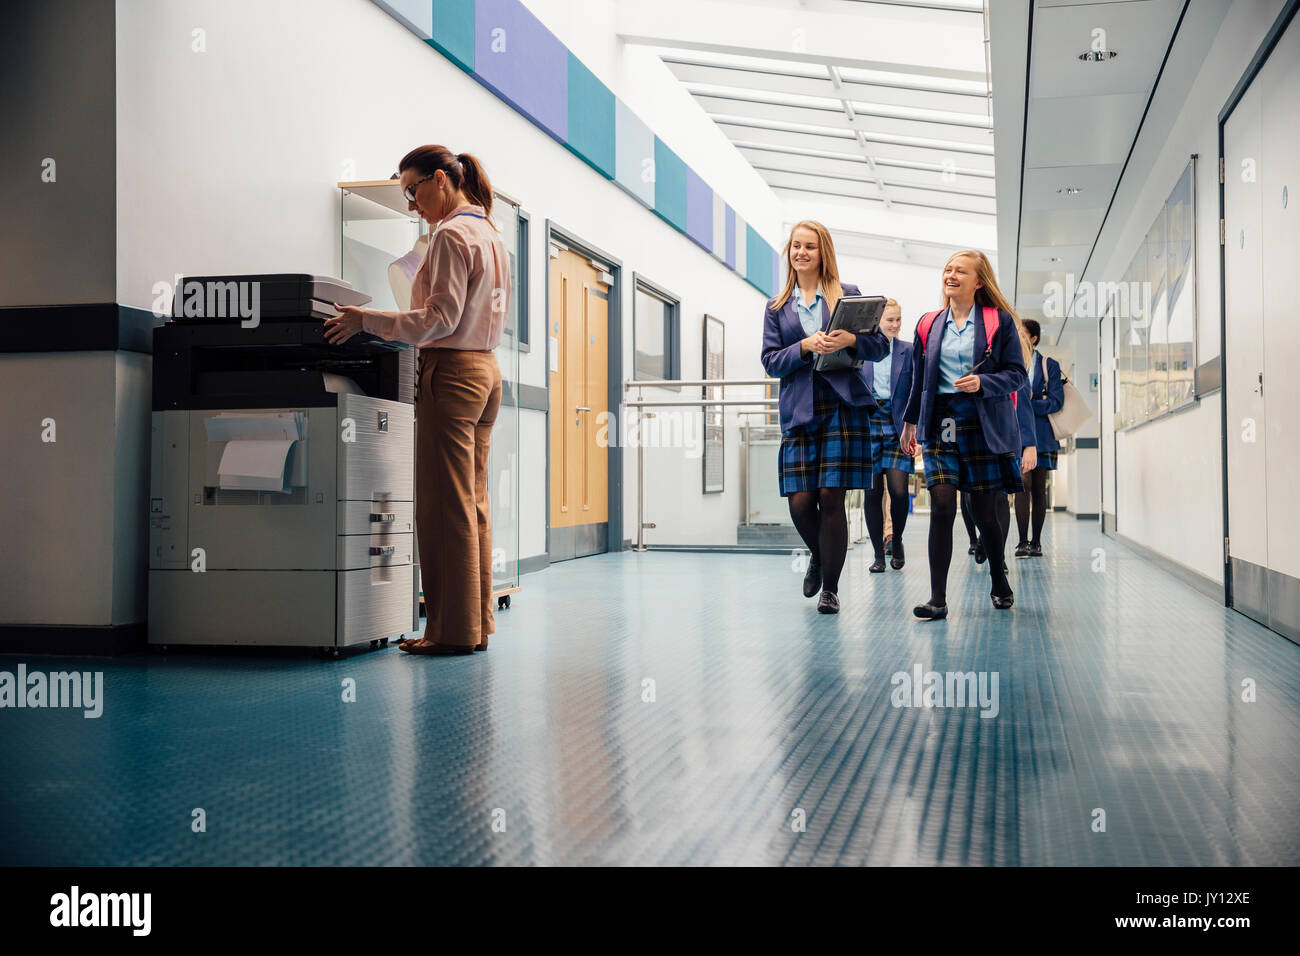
524, 63
670, 185
453, 31
634, 151
510, 52
591, 118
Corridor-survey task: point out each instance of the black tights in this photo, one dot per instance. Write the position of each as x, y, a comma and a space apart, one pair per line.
1004, 518
984, 512
1038, 494
875, 507
820, 520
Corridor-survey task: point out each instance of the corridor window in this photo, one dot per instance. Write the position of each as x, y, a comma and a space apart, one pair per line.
655, 333
1156, 313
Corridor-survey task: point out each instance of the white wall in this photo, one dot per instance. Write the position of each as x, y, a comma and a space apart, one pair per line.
916, 287
1169, 488
228, 162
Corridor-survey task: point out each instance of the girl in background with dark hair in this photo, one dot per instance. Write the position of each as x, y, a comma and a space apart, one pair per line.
1028, 462
1047, 393
459, 301
825, 427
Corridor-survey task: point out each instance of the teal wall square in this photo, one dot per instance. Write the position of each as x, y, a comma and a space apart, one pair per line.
670, 185
453, 31
758, 261
591, 118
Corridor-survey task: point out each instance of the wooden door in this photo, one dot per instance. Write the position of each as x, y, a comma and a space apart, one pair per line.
580, 426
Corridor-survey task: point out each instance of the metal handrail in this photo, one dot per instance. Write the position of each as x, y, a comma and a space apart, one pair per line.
709, 382
640, 403
693, 402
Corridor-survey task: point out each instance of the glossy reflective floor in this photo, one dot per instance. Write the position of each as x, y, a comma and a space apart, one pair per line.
771, 736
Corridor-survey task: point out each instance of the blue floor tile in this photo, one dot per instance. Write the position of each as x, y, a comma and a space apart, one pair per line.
1118, 690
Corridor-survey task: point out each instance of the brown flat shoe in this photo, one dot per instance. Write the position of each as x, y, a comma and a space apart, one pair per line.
429, 647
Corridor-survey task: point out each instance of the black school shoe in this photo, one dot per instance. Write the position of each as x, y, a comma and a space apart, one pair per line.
829, 604
1035, 550
1003, 603
812, 579
1022, 549
980, 555
878, 566
897, 561
930, 612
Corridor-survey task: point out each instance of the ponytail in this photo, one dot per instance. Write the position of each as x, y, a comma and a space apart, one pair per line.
476, 185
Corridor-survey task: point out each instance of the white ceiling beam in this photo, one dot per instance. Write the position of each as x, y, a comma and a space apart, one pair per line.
859, 135
939, 227
908, 95
885, 185
977, 167
883, 66
925, 44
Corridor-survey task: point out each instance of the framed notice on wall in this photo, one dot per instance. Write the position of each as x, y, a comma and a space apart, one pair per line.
714, 367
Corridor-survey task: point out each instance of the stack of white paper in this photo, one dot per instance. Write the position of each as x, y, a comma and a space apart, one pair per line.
259, 447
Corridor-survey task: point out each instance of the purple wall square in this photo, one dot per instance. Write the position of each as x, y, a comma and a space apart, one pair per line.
699, 209
523, 62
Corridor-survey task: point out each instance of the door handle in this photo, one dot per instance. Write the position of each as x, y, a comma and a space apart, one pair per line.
577, 419
1259, 389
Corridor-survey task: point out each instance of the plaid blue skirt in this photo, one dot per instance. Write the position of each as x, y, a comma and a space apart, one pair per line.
832, 451
1047, 459
966, 460
885, 450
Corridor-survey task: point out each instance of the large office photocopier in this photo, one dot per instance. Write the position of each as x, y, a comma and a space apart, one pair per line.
282, 481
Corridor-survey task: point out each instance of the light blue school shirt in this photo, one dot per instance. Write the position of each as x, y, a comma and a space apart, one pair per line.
880, 376
810, 316
957, 352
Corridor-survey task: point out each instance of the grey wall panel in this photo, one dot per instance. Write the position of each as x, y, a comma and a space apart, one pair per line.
1250, 589
131, 438
57, 506
58, 77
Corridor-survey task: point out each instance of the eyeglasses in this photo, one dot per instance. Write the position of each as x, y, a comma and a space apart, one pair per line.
409, 191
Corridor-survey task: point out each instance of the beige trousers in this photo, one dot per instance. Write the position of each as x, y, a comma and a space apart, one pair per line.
458, 395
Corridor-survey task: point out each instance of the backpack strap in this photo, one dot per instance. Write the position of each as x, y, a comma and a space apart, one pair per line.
991, 322
923, 327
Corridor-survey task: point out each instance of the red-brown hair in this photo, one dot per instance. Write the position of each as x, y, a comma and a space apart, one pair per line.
463, 171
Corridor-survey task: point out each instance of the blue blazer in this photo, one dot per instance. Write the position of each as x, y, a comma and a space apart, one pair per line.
1025, 417
900, 380
1049, 396
782, 333
1001, 375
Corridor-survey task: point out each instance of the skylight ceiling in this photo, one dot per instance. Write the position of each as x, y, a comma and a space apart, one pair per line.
911, 133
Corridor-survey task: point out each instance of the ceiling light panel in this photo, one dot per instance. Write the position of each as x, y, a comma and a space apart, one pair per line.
1061, 33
